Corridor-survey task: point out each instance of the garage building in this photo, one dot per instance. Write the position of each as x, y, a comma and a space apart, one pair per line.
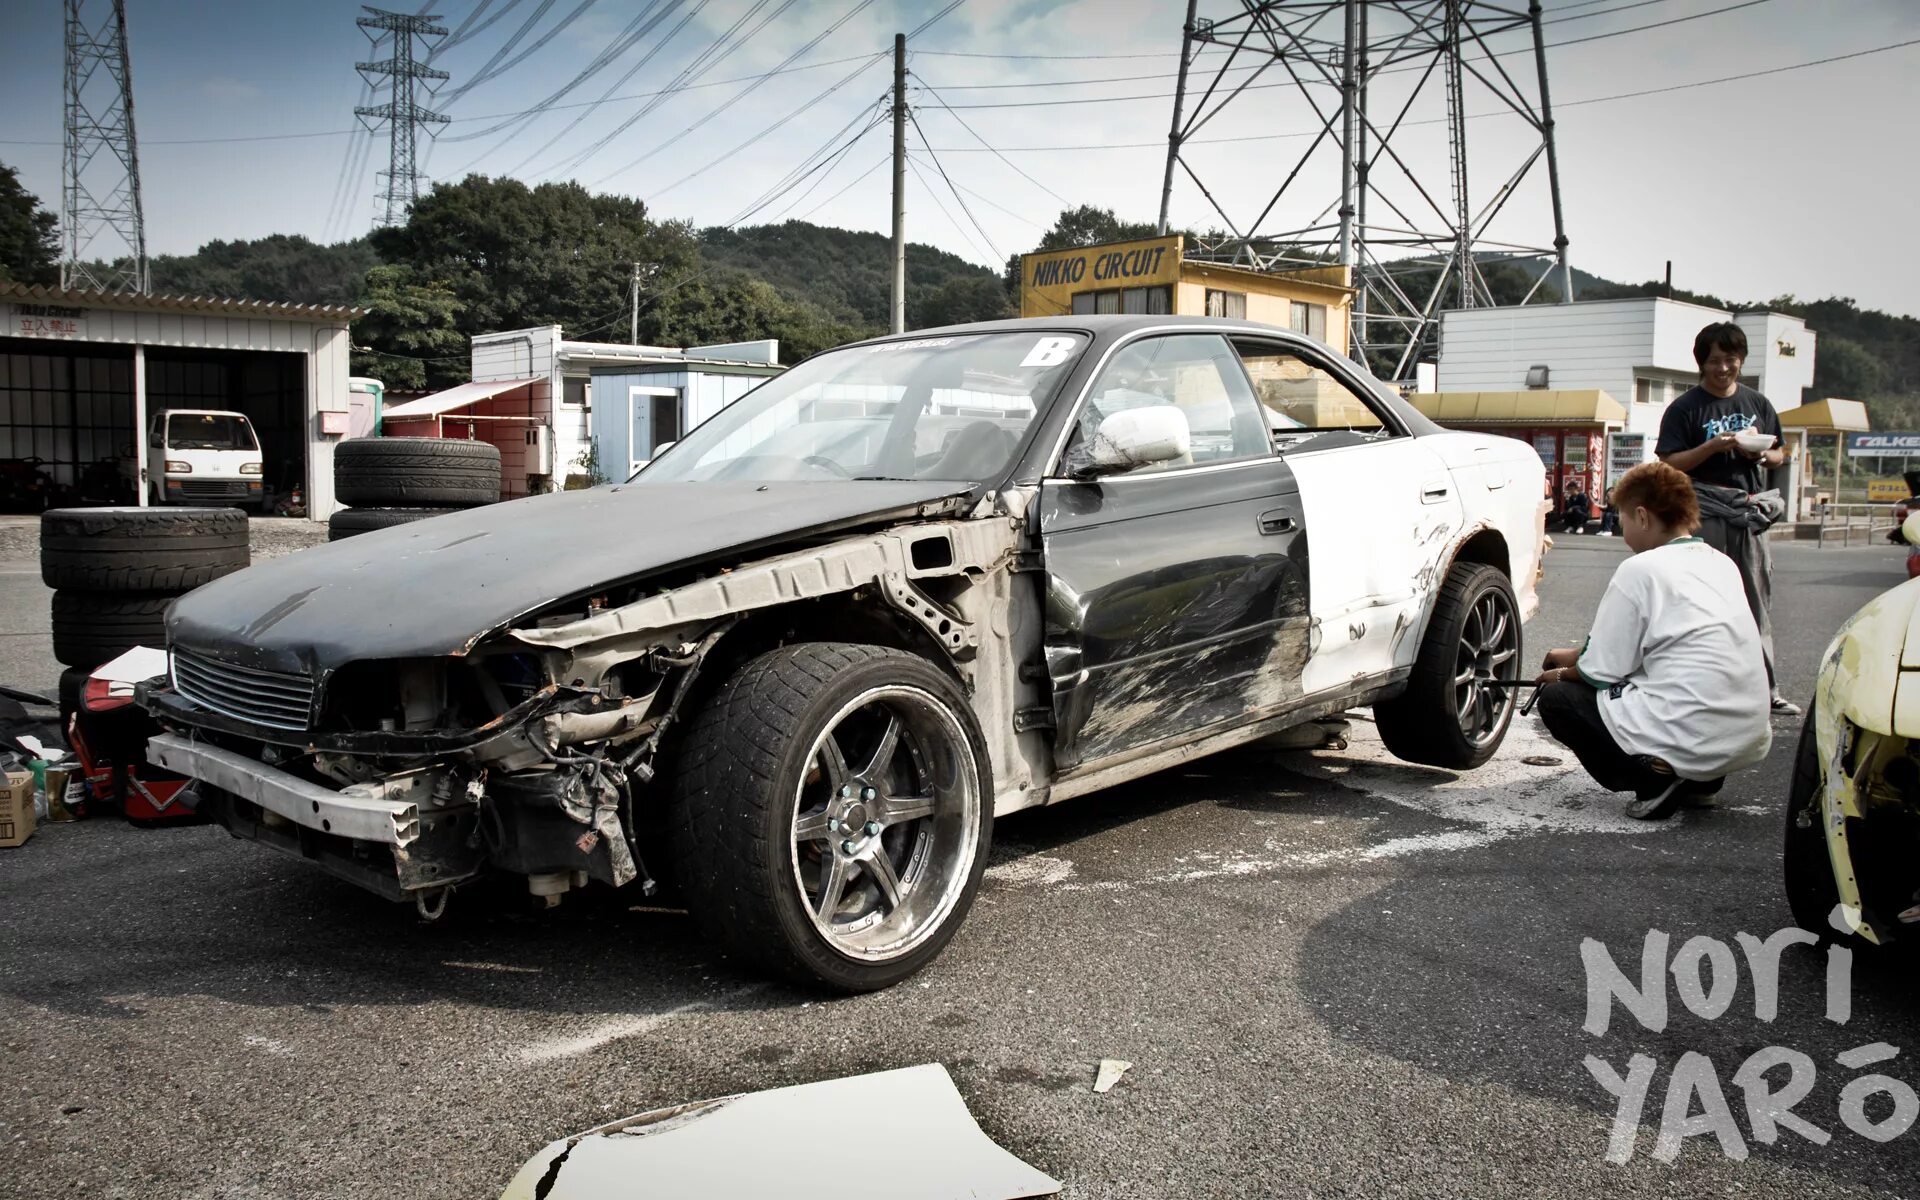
83, 372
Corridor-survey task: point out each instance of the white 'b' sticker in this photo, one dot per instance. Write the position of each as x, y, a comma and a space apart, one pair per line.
1049, 352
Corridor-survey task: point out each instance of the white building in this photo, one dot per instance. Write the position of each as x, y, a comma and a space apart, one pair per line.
544, 400
1639, 351
82, 371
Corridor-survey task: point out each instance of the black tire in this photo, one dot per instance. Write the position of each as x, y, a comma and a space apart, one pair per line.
416, 472
1806, 869
747, 763
1424, 723
90, 628
350, 521
140, 549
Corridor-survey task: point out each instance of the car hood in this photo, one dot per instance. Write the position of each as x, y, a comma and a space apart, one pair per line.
436, 587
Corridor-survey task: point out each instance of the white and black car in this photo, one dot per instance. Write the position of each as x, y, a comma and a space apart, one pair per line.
801, 661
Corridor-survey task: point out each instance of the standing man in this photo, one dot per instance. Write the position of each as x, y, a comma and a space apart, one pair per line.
1698, 435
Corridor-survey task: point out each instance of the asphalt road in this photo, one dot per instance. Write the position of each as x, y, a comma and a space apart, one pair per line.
1335, 975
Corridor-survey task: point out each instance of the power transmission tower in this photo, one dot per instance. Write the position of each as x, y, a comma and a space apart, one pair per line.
1357, 196
402, 114
100, 196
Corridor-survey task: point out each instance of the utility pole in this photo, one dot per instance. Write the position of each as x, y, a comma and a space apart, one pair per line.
99, 128
899, 321
633, 338
403, 113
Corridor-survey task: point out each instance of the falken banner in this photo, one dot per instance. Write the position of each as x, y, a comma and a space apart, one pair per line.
1883, 445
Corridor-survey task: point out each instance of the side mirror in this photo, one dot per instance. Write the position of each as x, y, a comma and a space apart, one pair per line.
1136, 437
1910, 528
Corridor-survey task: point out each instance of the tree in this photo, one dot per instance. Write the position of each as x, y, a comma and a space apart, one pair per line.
278, 268
29, 235
979, 298
411, 330
516, 256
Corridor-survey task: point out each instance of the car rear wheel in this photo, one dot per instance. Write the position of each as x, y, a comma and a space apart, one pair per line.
1450, 716
831, 813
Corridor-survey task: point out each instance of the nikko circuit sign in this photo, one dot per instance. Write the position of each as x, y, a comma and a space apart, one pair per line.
1883, 445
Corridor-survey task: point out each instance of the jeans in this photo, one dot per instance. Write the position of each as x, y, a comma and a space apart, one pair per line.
1748, 550
1571, 710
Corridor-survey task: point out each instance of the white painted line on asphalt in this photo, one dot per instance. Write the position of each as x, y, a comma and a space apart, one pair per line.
619, 1028
1031, 870
487, 966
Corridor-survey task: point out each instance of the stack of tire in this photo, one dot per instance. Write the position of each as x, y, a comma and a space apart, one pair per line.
391, 481
115, 570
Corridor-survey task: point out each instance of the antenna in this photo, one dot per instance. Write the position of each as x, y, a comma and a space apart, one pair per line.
100, 196
402, 114
1357, 196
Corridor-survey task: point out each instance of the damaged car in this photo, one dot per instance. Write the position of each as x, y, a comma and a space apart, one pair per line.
799, 663
1852, 849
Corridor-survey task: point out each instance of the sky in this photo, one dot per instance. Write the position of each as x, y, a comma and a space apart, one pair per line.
1792, 182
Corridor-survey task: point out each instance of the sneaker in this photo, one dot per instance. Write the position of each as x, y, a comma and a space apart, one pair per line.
1783, 707
1656, 802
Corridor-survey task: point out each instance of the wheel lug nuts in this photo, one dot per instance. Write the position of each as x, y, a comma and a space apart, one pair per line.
833, 825
868, 793
873, 827
846, 847
846, 790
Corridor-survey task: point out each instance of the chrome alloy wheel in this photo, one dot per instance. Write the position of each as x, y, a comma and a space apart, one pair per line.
885, 824
1489, 646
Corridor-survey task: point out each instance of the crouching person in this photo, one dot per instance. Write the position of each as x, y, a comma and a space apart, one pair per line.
1670, 693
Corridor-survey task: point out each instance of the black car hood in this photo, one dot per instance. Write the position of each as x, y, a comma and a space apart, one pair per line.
436, 587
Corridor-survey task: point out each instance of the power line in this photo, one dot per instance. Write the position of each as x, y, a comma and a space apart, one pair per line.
938, 203
709, 56
842, 82
460, 32
857, 180
990, 202
808, 165
933, 20
851, 13
1256, 87
941, 101
636, 29
958, 198
1271, 137
506, 48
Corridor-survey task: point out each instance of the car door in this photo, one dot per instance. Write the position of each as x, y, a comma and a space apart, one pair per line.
1382, 506
1177, 591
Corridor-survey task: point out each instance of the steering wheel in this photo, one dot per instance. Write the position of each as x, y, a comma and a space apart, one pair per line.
825, 463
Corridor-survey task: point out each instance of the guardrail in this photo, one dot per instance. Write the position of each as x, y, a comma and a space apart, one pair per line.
1842, 524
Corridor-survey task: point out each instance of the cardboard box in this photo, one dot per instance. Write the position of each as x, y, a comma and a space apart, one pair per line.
16, 808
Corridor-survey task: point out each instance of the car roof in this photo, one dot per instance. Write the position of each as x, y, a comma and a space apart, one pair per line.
1104, 326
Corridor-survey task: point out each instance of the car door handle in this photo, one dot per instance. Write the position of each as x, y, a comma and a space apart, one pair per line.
1433, 495
1277, 520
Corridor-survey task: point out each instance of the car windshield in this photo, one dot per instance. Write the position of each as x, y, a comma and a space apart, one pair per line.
954, 407
209, 431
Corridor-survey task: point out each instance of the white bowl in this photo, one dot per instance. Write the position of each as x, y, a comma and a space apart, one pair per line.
1753, 443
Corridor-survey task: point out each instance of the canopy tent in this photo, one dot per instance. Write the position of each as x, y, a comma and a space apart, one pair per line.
457, 397
1540, 406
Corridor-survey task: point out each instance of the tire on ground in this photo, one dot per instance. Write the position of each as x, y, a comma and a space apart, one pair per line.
90, 628
735, 776
416, 472
140, 549
73, 681
350, 521
1421, 725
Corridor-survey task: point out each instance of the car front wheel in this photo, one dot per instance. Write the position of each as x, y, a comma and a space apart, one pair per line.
831, 813
1453, 713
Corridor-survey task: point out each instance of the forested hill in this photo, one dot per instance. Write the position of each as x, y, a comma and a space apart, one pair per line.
846, 272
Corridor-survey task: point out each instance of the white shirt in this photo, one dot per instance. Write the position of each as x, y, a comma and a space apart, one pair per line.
1676, 656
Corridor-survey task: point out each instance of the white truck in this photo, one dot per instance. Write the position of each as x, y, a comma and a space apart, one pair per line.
204, 456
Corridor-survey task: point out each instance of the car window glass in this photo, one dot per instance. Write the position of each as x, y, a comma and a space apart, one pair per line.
1194, 373
1303, 402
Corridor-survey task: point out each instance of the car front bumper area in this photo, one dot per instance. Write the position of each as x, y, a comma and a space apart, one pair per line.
396, 837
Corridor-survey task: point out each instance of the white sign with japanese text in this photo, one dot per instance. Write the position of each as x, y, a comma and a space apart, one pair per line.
47, 321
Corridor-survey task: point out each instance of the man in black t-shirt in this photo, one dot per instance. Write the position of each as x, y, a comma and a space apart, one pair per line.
1698, 435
